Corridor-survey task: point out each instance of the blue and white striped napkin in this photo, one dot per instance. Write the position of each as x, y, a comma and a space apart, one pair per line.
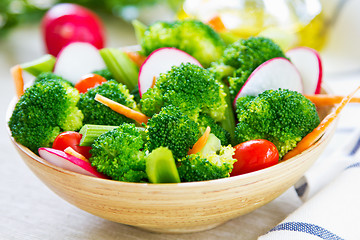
332, 213
338, 155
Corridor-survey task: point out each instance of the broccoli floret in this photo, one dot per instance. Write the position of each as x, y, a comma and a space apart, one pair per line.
216, 162
45, 110
171, 128
49, 76
118, 154
191, 36
243, 57
105, 73
99, 114
191, 88
205, 120
281, 116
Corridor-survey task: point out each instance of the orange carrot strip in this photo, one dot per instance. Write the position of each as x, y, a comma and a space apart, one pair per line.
124, 110
313, 136
153, 82
71, 151
217, 24
137, 58
16, 73
200, 143
321, 100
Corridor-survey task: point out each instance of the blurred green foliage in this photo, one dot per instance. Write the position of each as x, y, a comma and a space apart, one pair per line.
15, 12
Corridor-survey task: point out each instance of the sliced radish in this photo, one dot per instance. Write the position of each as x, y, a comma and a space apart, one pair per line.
273, 74
77, 59
308, 62
69, 162
161, 61
65, 23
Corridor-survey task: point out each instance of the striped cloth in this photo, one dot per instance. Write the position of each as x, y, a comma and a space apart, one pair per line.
331, 214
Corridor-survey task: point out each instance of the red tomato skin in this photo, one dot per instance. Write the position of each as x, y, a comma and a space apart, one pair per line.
71, 139
88, 81
254, 155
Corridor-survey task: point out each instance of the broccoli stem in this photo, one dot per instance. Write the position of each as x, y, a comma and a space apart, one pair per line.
121, 66
90, 132
229, 121
140, 29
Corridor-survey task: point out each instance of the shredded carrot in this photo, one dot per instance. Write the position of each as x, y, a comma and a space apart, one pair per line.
321, 100
124, 110
71, 151
313, 136
16, 73
153, 82
137, 58
200, 143
217, 24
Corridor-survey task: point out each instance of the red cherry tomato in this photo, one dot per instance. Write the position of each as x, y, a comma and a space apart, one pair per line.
254, 155
89, 81
71, 139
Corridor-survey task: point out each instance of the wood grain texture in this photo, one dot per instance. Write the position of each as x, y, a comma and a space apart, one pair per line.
174, 208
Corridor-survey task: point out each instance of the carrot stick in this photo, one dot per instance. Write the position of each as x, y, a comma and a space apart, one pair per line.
321, 100
217, 24
71, 151
124, 110
137, 58
313, 136
16, 73
153, 82
200, 143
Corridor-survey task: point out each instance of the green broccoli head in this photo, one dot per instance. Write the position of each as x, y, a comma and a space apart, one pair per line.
209, 166
191, 88
99, 114
45, 110
105, 73
118, 154
191, 36
171, 128
49, 76
205, 120
281, 116
244, 56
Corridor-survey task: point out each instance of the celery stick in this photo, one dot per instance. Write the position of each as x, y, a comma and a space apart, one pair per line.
140, 29
121, 66
161, 167
43, 64
229, 121
91, 132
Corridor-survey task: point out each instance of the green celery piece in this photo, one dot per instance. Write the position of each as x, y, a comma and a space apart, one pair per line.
121, 66
229, 121
161, 167
45, 63
212, 145
91, 132
140, 29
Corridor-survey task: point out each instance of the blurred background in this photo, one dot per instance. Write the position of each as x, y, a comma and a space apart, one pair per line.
326, 25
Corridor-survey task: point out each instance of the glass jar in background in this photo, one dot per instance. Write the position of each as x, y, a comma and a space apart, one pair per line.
290, 23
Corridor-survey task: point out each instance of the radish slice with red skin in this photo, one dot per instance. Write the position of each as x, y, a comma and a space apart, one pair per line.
161, 61
77, 59
273, 74
69, 162
66, 23
308, 62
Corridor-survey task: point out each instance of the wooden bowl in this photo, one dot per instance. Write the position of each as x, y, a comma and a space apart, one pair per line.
174, 208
